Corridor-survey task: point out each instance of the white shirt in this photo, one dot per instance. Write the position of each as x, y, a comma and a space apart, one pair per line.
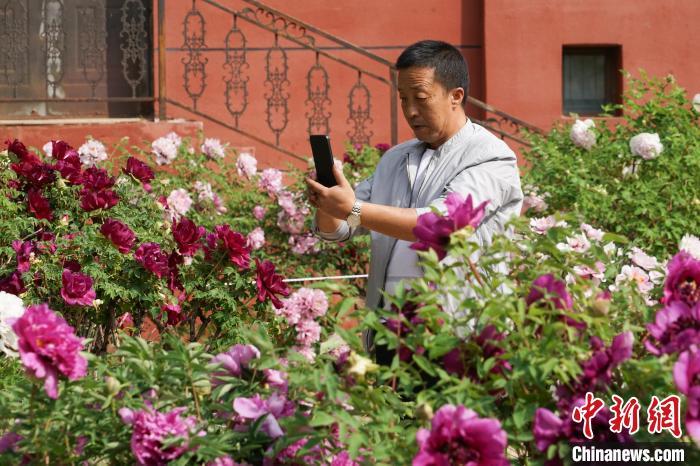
403, 264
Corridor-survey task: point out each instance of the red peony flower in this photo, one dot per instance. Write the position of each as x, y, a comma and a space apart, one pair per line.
140, 171
235, 245
93, 200
23, 251
13, 283
38, 204
187, 236
150, 256
97, 179
119, 234
77, 289
269, 283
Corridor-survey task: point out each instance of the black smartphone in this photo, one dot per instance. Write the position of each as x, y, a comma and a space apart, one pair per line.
323, 159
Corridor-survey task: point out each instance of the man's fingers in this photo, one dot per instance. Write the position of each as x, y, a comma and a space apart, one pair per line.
339, 175
315, 186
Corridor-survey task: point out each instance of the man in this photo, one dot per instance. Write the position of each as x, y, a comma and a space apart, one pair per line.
449, 154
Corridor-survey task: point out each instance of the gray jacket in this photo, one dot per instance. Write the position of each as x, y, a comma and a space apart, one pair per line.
473, 161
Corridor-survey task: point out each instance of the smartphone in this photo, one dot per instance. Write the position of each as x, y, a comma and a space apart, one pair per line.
323, 159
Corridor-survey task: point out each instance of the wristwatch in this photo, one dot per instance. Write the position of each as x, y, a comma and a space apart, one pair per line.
354, 217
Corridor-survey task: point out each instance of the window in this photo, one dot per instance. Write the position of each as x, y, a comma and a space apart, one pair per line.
68, 58
591, 78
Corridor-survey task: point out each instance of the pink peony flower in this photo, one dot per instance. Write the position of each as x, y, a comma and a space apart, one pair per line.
246, 165
304, 304
269, 283
259, 212
119, 234
433, 231
150, 431
576, 243
304, 244
543, 224
534, 202
179, 202
150, 256
140, 171
683, 279
48, 347
165, 148
643, 260
256, 239
592, 233
646, 145
636, 275
204, 191
38, 204
271, 181
275, 407
187, 236
125, 321
174, 313
77, 289
92, 152
459, 436
582, 135
234, 361
213, 149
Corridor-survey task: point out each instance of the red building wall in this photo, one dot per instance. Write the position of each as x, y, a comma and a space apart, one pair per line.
384, 28
524, 39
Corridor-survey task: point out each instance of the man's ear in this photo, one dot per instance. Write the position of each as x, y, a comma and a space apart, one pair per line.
457, 96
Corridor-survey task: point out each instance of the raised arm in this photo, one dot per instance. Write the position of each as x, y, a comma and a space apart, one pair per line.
334, 205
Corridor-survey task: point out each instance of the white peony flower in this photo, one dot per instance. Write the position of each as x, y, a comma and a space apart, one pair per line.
643, 260
213, 149
691, 244
534, 202
632, 274
48, 149
92, 152
582, 135
166, 148
696, 102
246, 165
646, 145
179, 202
11, 308
576, 243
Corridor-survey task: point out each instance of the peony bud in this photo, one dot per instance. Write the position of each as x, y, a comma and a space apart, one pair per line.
113, 385
424, 412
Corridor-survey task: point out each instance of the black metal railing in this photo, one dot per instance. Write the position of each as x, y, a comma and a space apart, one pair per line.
68, 58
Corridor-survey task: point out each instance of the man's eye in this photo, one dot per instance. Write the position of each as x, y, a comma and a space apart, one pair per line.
421, 97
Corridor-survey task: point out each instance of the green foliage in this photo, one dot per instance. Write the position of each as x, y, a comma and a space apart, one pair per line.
658, 201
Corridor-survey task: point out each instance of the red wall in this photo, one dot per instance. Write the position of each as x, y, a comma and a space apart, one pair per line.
524, 38
384, 27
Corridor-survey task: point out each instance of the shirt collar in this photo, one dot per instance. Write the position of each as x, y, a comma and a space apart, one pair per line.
457, 139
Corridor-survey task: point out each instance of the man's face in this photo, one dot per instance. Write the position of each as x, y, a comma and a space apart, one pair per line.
429, 108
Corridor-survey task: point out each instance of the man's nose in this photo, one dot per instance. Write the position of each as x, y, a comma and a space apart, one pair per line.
410, 110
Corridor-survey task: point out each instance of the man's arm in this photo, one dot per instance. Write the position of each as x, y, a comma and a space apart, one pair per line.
334, 205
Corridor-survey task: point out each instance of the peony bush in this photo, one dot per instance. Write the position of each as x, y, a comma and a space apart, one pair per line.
145, 319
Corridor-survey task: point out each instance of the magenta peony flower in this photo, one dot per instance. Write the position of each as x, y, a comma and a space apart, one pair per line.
48, 347
235, 245
675, 328
597, 370
9, 441
23, 251
275, 407
459, 436
77, 289
140, 171
38, 204
234, 361
150, 256
548, 288
683, 279
433, 230
487, 340
13, 283
546, 428
119, 234
174, 313
93, 200
187, 236
686, 374
382, 147
150, 431
269, 283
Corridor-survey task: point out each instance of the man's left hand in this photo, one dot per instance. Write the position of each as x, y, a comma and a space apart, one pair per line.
336, 201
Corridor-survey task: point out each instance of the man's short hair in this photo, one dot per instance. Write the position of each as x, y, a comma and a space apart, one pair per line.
451, 69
